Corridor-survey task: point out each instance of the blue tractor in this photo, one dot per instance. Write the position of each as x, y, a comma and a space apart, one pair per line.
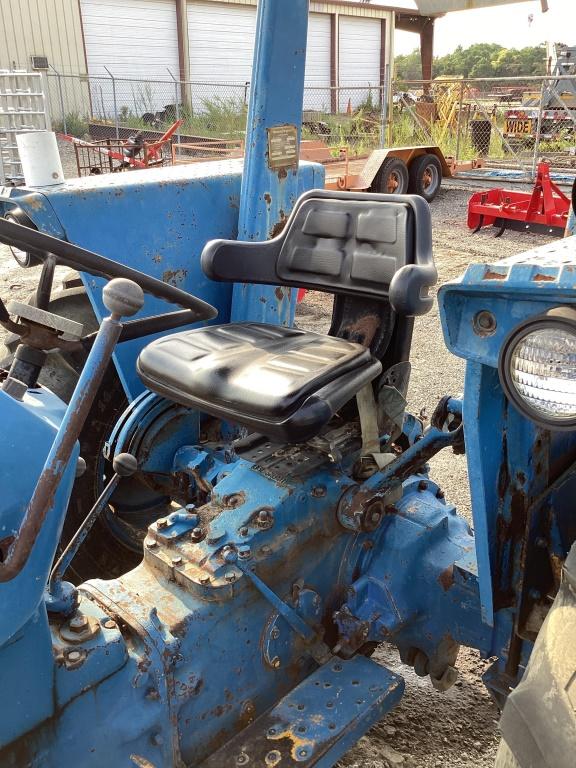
251, 501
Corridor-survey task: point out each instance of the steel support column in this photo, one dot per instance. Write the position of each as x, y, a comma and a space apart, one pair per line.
268, 194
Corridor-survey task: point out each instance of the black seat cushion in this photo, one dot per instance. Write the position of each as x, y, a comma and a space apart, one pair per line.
283, 382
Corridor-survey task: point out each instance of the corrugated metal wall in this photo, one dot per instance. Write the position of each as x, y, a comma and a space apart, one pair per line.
49, 28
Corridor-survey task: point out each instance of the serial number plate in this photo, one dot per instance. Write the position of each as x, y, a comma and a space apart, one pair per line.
519, 127
282, 147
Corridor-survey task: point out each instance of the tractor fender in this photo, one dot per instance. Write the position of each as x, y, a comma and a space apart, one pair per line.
539, 720
406, 154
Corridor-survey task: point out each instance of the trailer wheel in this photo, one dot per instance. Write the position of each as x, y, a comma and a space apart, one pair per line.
392, 178
425, 176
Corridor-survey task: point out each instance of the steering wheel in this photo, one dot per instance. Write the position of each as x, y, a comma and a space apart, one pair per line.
44, 246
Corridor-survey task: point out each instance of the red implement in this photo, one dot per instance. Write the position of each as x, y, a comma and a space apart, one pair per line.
544, 209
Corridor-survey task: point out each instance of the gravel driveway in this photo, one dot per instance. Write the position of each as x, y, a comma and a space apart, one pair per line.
428, 729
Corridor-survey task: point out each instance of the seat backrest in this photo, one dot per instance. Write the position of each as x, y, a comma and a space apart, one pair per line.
355, 244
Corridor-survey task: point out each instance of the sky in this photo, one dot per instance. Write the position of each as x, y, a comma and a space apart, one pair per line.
509, 26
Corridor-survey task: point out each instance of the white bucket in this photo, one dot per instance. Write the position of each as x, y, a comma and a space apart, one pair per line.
40, 158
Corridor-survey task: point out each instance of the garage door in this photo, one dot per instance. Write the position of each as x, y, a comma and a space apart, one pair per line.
317, 82
359, 64
134, 39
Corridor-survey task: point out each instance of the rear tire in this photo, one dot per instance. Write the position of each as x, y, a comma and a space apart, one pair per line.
425, 176
392, 178
505, 757
114, 545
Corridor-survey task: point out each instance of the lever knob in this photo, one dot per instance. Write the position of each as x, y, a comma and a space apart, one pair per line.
123, 297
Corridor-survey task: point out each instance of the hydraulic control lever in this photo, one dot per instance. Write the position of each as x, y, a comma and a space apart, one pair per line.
121, 297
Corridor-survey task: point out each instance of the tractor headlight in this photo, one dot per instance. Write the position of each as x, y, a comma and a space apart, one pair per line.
537, 368
22, 258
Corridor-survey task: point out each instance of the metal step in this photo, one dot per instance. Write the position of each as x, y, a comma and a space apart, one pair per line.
318, 721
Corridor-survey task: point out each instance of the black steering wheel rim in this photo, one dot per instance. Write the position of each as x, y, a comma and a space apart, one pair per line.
67, 254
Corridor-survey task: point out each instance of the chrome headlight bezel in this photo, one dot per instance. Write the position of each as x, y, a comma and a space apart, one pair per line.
563, 318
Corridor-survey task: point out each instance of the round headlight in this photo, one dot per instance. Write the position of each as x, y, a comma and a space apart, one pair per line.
22, 258
538, 368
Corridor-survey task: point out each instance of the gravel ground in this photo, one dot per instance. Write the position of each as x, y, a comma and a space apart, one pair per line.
457, 729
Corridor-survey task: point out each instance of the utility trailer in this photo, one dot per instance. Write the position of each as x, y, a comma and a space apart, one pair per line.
416, 170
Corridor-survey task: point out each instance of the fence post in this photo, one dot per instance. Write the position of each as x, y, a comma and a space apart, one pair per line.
116, 123
61, 97
176, 101
384, 97
538, 130
458, 125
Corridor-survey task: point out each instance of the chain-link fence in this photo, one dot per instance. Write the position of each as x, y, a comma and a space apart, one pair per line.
507, 123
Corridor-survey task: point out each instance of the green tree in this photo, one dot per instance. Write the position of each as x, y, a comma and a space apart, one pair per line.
478, 60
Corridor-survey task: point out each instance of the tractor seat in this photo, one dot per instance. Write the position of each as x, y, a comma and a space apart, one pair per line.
373, 252
282, 382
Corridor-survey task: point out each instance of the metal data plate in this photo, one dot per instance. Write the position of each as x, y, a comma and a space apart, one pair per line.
282, 147
316, 722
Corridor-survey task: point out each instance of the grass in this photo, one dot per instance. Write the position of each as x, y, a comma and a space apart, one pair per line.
220, 117
76, 125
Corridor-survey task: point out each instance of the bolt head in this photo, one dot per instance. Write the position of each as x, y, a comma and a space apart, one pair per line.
109, 624
78, 623
74, 656
161, 523
244, 552
177, 560
196, 534
243, 531
230, 577
276, 662
150, 544
204, 580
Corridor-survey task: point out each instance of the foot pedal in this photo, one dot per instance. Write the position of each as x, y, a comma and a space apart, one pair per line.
318, 721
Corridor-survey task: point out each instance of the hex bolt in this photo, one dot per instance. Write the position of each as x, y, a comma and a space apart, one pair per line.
242, 759
319, 491
244, 552
109, 624
151, 544
275, 662
196, 534
243, 531
229, 554
78, 623
422, 485
273, 757
177, 560
230, 577
439, 493
161, 523
204, 580
74, 656
265, 518
275, 634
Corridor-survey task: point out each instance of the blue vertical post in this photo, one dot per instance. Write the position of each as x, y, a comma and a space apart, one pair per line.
270, 179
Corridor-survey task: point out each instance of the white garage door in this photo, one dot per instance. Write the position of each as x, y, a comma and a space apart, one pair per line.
134, 39
317, 93
359, 65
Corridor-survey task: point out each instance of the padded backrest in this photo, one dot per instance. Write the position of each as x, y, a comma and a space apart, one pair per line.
355, 244
347, 245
